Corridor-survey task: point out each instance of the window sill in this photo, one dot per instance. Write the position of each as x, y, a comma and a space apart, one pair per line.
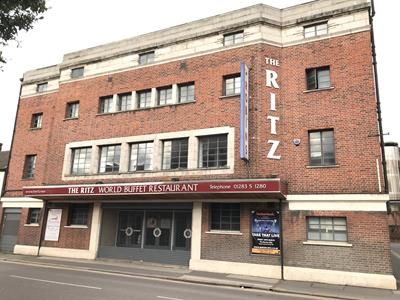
327, 243
224, 232
319, 90
28, 179
32, 225
77, 226
229, 96
35, 128
68, 119
322, 166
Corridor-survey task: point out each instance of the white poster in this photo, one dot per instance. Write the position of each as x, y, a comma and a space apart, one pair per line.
53, 225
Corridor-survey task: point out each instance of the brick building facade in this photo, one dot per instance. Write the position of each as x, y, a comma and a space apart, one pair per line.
243, 143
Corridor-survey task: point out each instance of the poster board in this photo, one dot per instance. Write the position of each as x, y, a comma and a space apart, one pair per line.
53, 224
265, 231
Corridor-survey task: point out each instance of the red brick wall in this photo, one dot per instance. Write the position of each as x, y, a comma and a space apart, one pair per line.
28, 235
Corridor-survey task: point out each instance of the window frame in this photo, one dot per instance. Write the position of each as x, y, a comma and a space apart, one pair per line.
72, 110
148, 151
36, 217
139, 95
77, 72
315, 72
74, 209
128, 102
202, 140
188, 95
29, 166
113, 161
42, 87
234, 38
216, 210
87, 165
316, 31
323, 153
37, 120
102, 100
146, 58
181, 163
160, 95
236, 80
332, 224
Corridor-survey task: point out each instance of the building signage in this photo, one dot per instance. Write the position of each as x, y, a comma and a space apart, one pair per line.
265, 232
244, 112
53, 224
272, 82
273, 186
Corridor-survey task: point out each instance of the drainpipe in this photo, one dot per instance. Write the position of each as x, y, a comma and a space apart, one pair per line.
281, 238
378, 102
42, 229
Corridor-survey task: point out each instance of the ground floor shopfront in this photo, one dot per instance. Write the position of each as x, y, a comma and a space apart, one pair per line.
339, 239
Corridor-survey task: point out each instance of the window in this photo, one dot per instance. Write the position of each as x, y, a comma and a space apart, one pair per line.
213, 151
81, 161
106, 104
144, 99
225, 216
146, 58
186, 92
232, 85
33, 216
233, 38
124, 102
109, 158
318, 78
141, 155
36, 121
29, 166
78, 214
322, 148
77, 72
165, 95
41, 87
326, 229
175, 154
72, 110
315, 30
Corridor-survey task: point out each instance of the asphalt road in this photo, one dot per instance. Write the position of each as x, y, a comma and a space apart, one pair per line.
24, 281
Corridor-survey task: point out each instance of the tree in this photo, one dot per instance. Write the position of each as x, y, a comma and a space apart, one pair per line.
17, 15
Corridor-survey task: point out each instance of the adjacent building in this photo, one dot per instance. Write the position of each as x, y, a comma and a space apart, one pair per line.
392, 153
243, 143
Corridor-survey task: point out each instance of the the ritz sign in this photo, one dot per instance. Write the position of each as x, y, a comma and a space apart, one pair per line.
272, 82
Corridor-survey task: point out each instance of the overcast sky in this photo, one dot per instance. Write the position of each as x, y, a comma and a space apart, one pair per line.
72, 25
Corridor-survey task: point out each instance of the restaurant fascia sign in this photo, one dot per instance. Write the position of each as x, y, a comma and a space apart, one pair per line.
269, 186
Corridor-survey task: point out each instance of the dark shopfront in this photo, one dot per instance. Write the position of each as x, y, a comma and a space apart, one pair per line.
147, 232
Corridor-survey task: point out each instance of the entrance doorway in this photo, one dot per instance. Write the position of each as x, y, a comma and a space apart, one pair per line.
9, 229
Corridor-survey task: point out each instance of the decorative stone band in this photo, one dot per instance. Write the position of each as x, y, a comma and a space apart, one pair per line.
11, 202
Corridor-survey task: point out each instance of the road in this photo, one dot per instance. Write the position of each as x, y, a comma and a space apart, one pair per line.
24, 281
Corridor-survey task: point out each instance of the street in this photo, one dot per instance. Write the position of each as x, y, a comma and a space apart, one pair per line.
24, 281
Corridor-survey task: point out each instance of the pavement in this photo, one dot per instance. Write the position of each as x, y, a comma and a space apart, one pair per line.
183, 274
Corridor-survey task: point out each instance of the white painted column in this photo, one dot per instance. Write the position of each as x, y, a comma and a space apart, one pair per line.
115, 103
193, 152
94, 162
95, 230
174, 93
157, 155
134, 102
124, 159
153, 97
196, 231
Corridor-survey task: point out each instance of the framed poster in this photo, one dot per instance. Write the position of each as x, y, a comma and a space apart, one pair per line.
53, 224
265, 231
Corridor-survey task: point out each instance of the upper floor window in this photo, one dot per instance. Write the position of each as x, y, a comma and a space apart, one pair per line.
110, 158
327, 229
318, 78
213, 151
186, 92
315, 30
164, 95
78, 214
144, 98
72, 110
29, 166
225, 216
42, 87
146, 58
77, 72
124, 102
106, 104
36, 121
322, 148
81, 158
141, 154
175, 154
232, 85
233, 38
33, 216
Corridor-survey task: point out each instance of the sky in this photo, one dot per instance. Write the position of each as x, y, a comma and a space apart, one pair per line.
71, 25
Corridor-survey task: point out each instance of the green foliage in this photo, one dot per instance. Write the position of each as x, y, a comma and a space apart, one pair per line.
17, 15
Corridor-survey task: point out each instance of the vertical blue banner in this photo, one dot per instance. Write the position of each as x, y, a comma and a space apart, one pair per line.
244, 112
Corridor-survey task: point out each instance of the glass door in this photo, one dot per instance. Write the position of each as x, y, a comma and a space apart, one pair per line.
130, 227
158, 229
183, 230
